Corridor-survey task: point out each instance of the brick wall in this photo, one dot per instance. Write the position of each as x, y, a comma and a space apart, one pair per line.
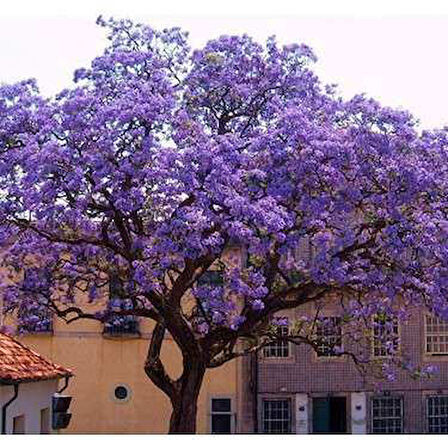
304, 373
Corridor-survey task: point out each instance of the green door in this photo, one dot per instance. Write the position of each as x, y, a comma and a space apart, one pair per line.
329, 415
321, 415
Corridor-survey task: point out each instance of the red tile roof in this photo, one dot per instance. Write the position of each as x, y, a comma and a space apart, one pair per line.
19, 363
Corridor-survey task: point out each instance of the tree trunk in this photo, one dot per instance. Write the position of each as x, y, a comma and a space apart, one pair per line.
183, 417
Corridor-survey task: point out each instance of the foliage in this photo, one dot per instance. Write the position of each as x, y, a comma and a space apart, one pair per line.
161, 158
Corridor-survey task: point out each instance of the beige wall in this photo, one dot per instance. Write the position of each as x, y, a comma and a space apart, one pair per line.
100, 363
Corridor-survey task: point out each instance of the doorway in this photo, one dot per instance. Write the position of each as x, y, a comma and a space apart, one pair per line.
329, 415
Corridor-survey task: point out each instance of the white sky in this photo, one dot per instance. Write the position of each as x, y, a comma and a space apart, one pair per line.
395, 51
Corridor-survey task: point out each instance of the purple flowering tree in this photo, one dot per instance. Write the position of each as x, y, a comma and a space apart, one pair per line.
161, 158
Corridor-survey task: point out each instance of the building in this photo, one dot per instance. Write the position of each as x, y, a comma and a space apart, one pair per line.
28, 382
111, 392
284, 389
293, 389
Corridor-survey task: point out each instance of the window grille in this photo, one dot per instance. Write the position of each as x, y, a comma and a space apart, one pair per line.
117, 324
277, 416
436, 336
329, 336
437, 412
387, 415
278, 348
385, 336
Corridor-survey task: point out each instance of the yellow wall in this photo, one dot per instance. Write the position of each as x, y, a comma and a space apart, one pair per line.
100, 363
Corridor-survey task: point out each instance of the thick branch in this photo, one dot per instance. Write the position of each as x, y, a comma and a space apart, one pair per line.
154, 367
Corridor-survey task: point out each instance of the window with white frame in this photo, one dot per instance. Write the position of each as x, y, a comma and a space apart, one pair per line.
436, 336
387, 415
329, 336
280, 347
385, 336
277, 416
437, 413
221, 416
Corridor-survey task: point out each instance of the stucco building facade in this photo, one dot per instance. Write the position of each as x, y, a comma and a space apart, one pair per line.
112, 394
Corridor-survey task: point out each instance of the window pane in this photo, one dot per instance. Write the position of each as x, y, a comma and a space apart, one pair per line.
117, 324
45, 421
221, 405
211, 278
221, 424
18, 425
279, 348
329, 336
436, 335
385, 336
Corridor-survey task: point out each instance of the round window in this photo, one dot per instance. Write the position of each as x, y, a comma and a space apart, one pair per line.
121, 393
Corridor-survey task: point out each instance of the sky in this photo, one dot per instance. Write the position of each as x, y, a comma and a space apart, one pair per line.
394, 51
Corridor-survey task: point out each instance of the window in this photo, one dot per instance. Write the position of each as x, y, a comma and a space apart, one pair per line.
209, 288
276, 416
279, 348
437, 412
329, 336
34, 318
387, 415
45, 421
221, 416
211, 278
385, 336
18, 424
117, 325
122, 393
436, 336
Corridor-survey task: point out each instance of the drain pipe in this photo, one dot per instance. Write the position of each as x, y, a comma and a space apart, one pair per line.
5, 407
65, 385
255, 391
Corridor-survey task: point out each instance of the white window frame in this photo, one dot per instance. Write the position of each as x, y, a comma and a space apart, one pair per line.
444, 415
387, 418
264, 419
275, 349
376, 344
230, 413
323, 355
436, 334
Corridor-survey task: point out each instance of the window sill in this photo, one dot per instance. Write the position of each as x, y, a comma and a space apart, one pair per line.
121, 336
276, 360
37, 333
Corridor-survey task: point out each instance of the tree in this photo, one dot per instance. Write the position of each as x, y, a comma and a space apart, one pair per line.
160, 158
